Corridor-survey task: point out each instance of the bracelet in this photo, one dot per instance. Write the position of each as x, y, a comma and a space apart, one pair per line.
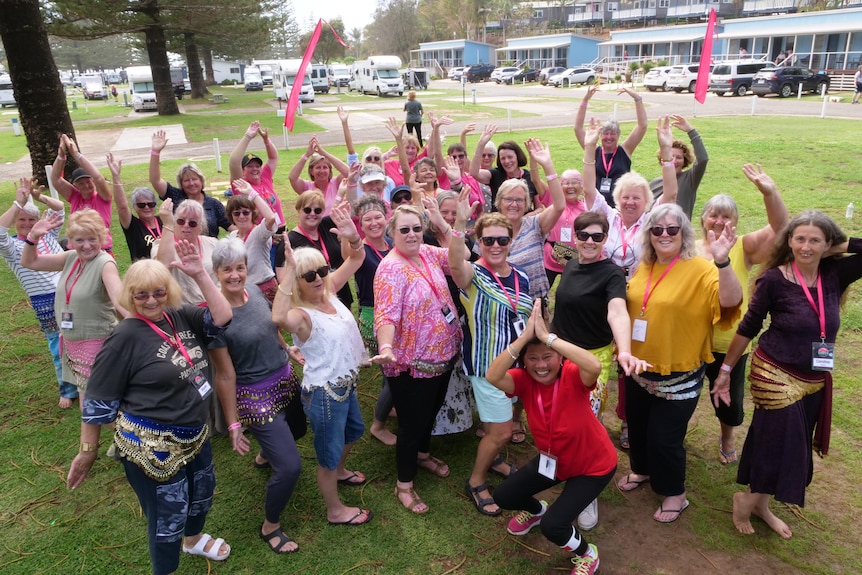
384, 346
79, 156
725, 368
551, 339
61, 158
550, 177
252, 195
456, 233
722, 266
117, 184
586, 163
638, 99
583, 104
28, 241
234, 425
169, 228
667, 164
512, 355
156, 153
356, 249
455, 182
303, 157
662, 160
349, 185
285, 292
89, 447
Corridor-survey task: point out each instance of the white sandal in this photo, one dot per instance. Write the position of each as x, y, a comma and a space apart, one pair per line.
200, 546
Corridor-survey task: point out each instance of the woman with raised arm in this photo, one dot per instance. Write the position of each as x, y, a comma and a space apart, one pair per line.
408, 149
801, 289
244, 210
141, 230
190, 186
320, 171
689, 163
306, 306
511, 160
153, 378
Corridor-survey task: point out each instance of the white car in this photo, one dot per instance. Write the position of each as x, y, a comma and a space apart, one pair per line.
456, 73
683, 77
574, 76
506, 74
656, 79
495, 74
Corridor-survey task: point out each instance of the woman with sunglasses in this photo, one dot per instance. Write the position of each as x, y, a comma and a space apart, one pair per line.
674, 299
320, 166
327, 335
243, 211
314, 230
191, 182
153, 378
142, 231
497, 299
591, 313
418, 340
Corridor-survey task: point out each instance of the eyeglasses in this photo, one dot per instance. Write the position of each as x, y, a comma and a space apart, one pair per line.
309, 276
145, 296
514, 201
584, 236
459, 156
657, 231
143, 205
503, 241
372, 158
237, 213
402, 199
489, 155
183, 221
417, 229
308, 210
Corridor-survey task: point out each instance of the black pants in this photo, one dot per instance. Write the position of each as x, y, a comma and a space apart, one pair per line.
279, 448
517, 493
417, 401
418, 127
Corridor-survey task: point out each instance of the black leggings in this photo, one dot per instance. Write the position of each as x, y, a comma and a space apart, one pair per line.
418, 127
517, 493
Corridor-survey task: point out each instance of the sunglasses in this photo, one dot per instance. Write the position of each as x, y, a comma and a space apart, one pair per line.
372, 158
309, 276
584, 236
308, 210
241, 213
459, 156
503, 241
417, 229
403, 199
145, 296
489, 155
183, 221
143, 205
657, 231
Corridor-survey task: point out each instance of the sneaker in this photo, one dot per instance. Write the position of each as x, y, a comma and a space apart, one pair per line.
589, 517
521, 523
588, 563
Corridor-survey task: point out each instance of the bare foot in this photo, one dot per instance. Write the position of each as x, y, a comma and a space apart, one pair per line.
743, 504
379, 431
777, 525
65, 403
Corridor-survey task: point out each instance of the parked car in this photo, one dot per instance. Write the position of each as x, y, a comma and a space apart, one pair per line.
546, 73
526, 76
785, 81
683, 78
573, 76
734, 76
505, 75
456, 73
656, 78
479, 72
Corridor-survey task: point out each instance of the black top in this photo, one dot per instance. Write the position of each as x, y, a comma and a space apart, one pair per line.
140, 239
499, 176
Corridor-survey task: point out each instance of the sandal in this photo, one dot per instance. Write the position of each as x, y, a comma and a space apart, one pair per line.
355, 479
415, 500
627, 484
624, 435
200, 548
283, 539
519, 434
481, 502
436, 466
726, 457
500, 461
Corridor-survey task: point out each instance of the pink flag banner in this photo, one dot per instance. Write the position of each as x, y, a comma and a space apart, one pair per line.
705, 60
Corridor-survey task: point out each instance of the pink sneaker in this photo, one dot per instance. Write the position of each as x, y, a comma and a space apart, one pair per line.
586, 564
521, 523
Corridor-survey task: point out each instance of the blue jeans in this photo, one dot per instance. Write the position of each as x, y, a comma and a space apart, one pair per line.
67, 389
334, 423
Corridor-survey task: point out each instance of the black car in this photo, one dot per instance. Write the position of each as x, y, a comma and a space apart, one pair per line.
785, 80
526, 76
478, 72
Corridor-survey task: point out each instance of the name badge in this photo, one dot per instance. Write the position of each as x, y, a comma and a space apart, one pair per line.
519, 326
566, 235
66, 320
639, 330
199, 381
548, 465
448, 314
822, 356
605, 186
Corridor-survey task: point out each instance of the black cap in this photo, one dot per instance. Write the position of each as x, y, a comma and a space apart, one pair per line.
249, 157
80, 173
399, 193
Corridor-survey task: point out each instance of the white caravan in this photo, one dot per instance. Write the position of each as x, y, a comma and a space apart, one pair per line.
283, 76
143, 88
379, 75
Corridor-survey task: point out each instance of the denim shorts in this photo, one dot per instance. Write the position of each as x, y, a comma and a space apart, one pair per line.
334, 423
493, 405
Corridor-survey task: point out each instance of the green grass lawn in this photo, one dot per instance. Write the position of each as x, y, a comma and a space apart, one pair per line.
99, 529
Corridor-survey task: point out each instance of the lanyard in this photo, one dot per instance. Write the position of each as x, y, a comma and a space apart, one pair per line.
821, 313
322, 247
648, 291
173, 341
626, 237
541, 405
376, 251
608, 164
427, 278
158, 233
74, 280
248, 233
494, 275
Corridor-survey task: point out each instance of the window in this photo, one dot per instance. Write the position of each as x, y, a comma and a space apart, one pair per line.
234, 70
539, 14
613, 6
663, 3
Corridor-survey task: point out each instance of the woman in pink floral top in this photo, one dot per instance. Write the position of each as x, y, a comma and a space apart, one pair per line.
419, 336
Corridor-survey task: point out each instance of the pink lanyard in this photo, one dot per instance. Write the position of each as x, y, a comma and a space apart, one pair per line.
427, 278
158, 232
541, 405
379, 255
608, 164
173, 341
821, 313
494, 275
74, 280
626, 237
248, 233
648, 291
320, 239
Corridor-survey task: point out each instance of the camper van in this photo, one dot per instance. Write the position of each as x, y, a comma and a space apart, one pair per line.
379, 75
319, 78
7, 97
283, 77
339, 74
143, 88
253, 79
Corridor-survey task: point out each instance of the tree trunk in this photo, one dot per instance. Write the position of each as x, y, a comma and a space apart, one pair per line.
196, 75
157, 50
40, 94
208, 63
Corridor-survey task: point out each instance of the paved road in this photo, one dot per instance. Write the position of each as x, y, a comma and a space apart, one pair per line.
556, 106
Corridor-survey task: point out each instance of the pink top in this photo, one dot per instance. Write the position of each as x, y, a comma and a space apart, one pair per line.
330, 194
393, 167
476, 194
102, 207
403, 298
566, 221
267, 192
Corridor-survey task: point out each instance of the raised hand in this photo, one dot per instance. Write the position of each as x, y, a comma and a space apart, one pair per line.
160, 140
343, 114
720, 245
542, 154
396, 129
312, 146
592, 132
116, 166
487, 133
189, 259
453, 171
264, 134
241, 186
289, 262
23, 191
345, 228
166, 212
464, 209
253, 130
591, 91
48, 222
664, 131
756, 175
680, 122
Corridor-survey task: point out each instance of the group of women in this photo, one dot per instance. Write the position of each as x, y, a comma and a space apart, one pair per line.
453, 272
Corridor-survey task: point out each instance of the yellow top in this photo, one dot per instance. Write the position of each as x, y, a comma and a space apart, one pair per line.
720, 337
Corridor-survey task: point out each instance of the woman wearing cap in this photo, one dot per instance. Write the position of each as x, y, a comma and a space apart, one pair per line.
191, 182
88, 188
252, 169
401, 195
40, 286
320, 166
372, 181
371, 155
244, 210
143, 230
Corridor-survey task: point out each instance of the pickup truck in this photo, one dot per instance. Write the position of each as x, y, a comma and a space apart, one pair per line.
479, 72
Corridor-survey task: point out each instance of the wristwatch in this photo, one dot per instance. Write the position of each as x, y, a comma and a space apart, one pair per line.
551, 339
88, 447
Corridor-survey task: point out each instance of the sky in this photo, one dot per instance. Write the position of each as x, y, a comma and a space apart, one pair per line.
354, 13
